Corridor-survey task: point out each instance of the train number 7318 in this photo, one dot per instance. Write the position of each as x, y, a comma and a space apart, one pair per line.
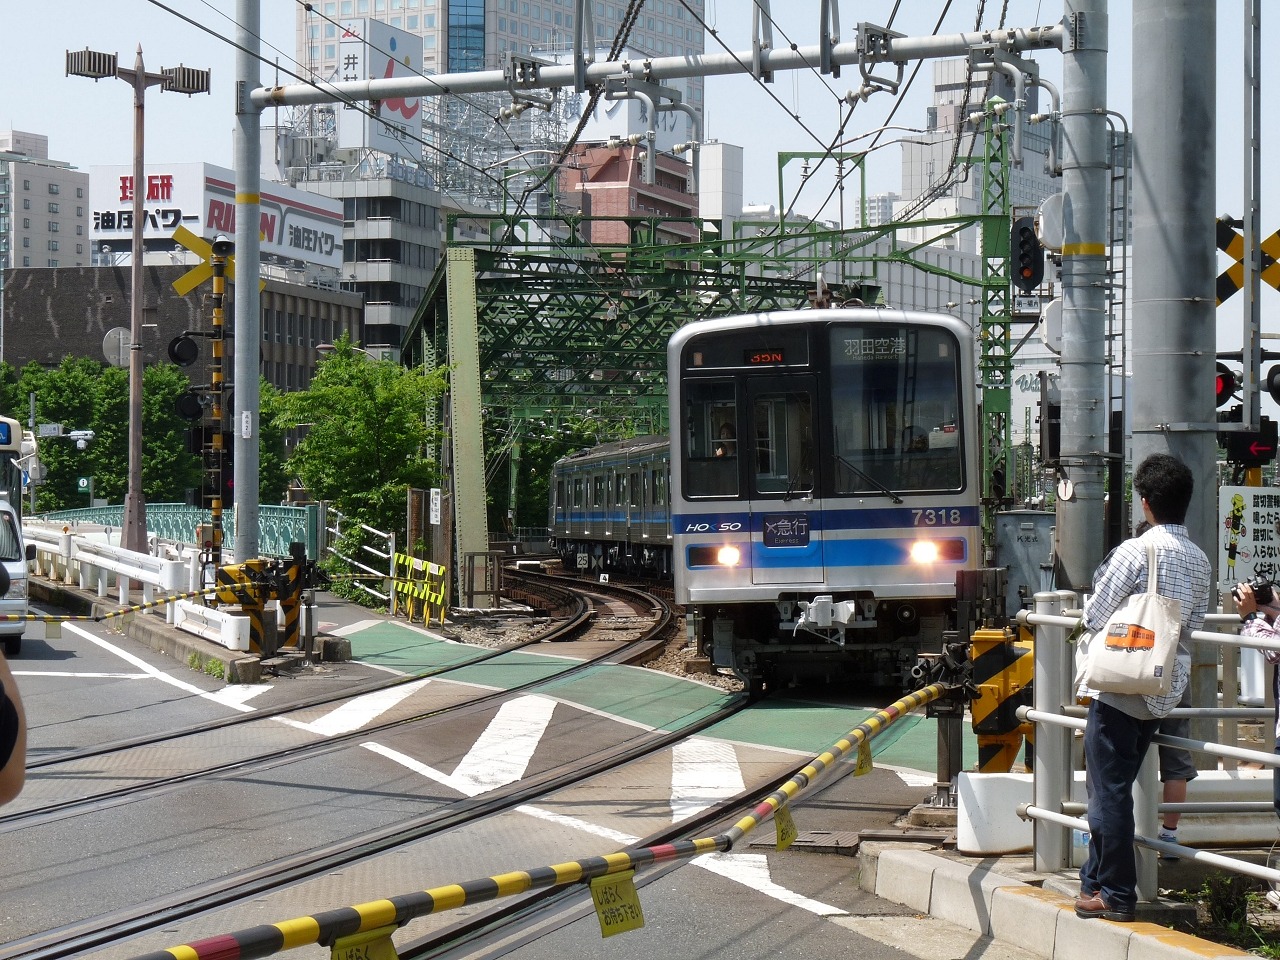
936, 518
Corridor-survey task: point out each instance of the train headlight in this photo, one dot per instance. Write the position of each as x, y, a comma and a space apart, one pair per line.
924, 551
728, 556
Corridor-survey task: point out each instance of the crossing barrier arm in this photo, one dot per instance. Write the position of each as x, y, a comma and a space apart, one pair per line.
376, 920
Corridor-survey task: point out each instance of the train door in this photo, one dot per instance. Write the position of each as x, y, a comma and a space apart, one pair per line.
786, 512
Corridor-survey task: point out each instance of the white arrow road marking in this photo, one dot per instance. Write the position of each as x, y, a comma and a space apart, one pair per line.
749, 869
703, 772
358, 712
499, 757
232, 695
752, 870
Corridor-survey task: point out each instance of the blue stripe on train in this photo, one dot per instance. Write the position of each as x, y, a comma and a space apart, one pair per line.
937, 520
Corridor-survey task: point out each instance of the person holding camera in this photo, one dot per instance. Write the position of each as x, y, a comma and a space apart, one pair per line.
1258, 608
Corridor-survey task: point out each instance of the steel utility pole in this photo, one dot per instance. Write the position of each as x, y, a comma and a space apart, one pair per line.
248, 318
88, 63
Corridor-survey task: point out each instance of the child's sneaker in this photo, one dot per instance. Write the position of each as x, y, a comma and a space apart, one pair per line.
1169, 836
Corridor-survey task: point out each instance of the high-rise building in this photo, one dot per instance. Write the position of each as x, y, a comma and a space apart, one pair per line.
43, 205
927, 169
463, 36
43, 222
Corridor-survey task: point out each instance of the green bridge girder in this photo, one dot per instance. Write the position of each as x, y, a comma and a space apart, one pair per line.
567, 324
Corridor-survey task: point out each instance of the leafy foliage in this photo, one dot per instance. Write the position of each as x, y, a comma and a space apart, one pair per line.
84, 394
367, 439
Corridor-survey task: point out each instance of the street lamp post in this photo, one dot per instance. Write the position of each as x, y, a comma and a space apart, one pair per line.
89, 63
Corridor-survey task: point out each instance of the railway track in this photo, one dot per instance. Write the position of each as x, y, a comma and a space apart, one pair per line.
226, 763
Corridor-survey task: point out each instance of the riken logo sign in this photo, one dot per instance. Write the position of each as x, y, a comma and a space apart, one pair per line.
293, 224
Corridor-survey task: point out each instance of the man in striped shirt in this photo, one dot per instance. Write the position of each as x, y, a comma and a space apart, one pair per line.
1121, 726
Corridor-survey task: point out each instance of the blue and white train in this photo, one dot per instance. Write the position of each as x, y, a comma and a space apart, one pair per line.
821, 494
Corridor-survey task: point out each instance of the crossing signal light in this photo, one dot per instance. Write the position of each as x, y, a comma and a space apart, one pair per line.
1273, 384
1028, 255
1226, 384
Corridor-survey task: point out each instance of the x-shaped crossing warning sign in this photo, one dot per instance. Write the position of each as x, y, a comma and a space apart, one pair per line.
204, 270
1231, 243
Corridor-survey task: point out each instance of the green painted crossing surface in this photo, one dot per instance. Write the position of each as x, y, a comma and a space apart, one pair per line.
654, 699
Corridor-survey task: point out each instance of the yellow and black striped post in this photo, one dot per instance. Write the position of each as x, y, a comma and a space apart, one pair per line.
289, 593
1003, 668
218, 261
245, 584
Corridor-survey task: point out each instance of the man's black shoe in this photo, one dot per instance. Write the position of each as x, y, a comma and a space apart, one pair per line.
1089, 907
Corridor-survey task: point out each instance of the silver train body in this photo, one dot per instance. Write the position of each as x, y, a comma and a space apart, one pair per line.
610, 508
822, 494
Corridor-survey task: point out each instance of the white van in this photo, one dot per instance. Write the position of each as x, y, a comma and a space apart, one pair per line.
14, 557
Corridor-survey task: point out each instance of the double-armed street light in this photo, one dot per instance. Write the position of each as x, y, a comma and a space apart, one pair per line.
180, 79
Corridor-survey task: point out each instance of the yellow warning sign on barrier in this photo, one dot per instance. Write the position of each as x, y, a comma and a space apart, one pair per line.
786, 827
370, 945
617, 903
864, 759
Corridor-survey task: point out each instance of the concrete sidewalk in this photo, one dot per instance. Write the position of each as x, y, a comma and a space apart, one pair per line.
993, 897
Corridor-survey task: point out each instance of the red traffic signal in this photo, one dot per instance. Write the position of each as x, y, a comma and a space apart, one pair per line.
1226, 384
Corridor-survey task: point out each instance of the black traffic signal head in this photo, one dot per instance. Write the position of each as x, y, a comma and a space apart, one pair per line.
1027, 255
1273, 383
183, 350
1226, 384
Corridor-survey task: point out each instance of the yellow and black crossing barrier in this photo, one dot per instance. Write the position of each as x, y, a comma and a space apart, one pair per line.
55, 620
418, 587
365, 929
1003, 668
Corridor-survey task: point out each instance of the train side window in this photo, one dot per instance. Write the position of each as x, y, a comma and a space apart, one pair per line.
560, 497
635, 489
577, 493
710, 439
597, 492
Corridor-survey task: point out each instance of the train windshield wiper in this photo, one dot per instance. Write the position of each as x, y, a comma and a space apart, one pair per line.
869, 479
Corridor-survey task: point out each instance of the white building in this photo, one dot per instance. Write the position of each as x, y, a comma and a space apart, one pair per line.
43, 206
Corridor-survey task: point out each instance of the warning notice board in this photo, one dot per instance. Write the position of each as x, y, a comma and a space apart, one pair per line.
1248, 533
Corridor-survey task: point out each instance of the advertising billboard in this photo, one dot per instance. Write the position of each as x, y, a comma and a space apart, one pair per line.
294, 225
371, 50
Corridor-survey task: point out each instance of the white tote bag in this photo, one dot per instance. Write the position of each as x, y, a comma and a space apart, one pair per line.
1135, 650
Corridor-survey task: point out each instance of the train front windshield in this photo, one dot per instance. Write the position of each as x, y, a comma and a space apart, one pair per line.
895, 400
864, 409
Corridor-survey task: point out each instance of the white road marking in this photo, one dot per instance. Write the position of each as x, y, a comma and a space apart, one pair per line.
74, 673
752, 870
501, 754
749, 869
232, 696
358, 712
703, 772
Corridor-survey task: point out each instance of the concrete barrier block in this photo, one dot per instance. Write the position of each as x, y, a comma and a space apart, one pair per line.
906, 877
1151, 941
1078, 939
1028, 916
962, 893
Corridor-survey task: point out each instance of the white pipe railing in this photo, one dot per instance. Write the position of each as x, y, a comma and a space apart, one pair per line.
1054, 699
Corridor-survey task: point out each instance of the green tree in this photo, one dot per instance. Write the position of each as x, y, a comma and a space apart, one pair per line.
84, 394
367, 438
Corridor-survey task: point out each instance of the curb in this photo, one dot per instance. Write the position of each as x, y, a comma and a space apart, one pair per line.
148, 628
1040, 921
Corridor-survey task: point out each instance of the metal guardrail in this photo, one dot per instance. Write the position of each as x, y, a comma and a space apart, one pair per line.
1054, 687
278, 525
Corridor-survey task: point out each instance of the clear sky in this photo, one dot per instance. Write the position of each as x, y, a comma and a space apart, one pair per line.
91, 123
